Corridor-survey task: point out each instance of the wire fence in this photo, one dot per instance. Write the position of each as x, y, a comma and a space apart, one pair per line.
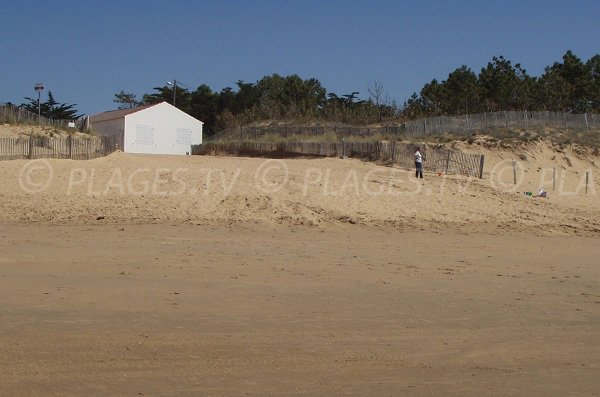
431, 126
31, 147
437, 160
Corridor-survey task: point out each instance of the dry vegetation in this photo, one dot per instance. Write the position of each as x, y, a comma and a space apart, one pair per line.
15, 131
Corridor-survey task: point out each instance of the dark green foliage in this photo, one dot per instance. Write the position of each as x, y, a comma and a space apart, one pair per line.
568, 86
165, 94
273, 97
504, 87
571, 86
51, 109
126, 100
204, 105
594, 95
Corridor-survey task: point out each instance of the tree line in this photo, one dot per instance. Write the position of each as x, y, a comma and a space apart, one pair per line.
571, 86
271, 98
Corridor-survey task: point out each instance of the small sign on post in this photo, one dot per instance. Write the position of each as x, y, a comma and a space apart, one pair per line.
39, 87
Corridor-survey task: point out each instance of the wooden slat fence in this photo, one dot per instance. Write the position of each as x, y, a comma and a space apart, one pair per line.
436, 159
439, 160
31, 147
430, 126
16, 115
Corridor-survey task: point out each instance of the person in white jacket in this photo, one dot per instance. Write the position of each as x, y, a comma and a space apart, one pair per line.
419, 163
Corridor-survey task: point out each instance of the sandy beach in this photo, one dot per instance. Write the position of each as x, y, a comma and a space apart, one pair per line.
127, 188
182, 310
217, 276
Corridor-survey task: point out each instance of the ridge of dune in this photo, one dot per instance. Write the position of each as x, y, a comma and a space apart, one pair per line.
129, 188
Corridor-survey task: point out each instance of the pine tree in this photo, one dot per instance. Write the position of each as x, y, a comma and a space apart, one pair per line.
52, 109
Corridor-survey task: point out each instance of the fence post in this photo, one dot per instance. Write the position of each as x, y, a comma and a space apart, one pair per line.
514, 164
30, 156
481, 159
447, 163
587, 177
587, 128
393, 152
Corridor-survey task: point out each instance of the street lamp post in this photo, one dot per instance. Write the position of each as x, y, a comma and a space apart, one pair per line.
174, 84
39, 87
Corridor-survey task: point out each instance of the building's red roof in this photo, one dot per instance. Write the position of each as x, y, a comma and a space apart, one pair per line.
119, 113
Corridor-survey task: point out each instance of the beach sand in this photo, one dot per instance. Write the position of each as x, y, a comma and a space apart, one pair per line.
183, 310
128, 188
216, 276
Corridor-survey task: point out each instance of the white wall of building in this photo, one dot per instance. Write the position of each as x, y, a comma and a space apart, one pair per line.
163, 129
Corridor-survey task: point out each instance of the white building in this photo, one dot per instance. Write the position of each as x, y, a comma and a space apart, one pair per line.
160, 129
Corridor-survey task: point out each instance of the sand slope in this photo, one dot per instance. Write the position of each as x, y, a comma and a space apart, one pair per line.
128, 188
16, 131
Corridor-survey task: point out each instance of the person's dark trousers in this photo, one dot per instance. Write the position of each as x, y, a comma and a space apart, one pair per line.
419, 167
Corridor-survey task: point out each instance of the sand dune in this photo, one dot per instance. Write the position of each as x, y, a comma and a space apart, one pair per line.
126, 188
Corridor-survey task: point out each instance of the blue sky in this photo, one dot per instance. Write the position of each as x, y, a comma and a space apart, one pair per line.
86, 51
